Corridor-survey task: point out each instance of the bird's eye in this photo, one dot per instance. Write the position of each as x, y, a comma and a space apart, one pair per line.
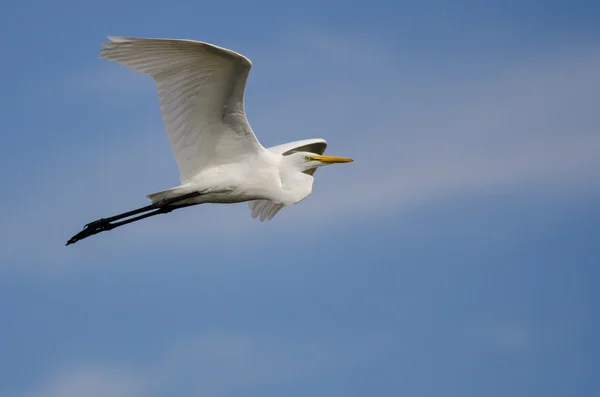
307, 158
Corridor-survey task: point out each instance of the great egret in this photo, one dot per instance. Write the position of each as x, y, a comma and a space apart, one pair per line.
201, 94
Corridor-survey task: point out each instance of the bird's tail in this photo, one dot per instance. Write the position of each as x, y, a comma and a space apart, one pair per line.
169, 193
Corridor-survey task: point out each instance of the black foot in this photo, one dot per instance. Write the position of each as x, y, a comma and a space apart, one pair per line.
89, 230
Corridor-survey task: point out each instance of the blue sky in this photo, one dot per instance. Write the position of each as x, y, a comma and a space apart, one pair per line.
457, 256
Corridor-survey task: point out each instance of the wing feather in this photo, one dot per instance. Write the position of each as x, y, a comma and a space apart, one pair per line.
201, 95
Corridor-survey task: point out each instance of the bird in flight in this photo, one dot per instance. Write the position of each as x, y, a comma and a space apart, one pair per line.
201, 94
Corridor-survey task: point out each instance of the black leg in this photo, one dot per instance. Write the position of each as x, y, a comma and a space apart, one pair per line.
104, 224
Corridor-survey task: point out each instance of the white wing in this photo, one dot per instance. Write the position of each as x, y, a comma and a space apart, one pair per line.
315, 145
201, 94
266, 209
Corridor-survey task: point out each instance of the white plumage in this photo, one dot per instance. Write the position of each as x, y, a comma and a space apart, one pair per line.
201, 95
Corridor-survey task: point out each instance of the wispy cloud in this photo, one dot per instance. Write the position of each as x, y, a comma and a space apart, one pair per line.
92, 382
531, 120
511, 337
218, 365
504, 337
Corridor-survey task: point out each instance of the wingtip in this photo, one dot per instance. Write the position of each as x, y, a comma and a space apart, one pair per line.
116, 39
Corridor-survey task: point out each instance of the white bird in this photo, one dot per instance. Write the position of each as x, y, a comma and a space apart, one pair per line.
201, 94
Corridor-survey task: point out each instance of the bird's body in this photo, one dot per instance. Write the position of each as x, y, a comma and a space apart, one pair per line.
261, 176
201, 94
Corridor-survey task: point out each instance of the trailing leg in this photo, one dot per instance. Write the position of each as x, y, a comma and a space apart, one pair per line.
104, 224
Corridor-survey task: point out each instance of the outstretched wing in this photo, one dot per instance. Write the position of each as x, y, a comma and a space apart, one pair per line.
266, 209
201, 94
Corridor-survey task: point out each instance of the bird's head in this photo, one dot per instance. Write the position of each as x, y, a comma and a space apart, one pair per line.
305, 161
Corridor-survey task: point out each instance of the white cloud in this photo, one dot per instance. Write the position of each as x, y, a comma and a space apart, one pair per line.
96, 382
218, 365
528, 121
508, 337
511, 337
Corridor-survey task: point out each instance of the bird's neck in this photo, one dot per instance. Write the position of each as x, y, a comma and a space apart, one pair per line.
296, 186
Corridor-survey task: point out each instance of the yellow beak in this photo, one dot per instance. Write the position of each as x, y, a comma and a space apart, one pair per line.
332, 159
